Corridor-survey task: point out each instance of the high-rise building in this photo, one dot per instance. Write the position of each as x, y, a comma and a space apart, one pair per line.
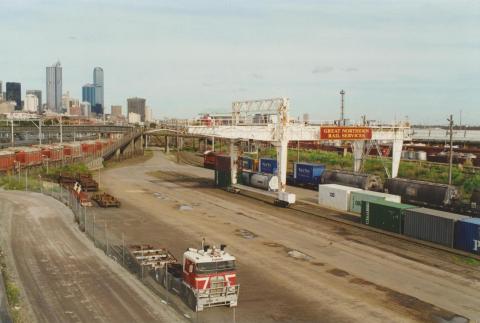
86, 109
14, 93
1, 91
98, 83
88, 95
136, 105
31, 103
54, 88
116, 111
38, 94
148, 114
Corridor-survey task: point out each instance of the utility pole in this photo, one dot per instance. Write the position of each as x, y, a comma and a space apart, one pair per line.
450, 120
61, 130
342, 107
11, 134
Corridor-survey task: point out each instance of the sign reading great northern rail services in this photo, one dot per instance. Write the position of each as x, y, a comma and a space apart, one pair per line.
345, 133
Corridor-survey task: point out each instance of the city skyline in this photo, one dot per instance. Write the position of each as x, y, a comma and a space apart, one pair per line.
422, 62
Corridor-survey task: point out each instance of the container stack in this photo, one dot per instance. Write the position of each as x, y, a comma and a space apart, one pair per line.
223, 171
357, 197
335, 196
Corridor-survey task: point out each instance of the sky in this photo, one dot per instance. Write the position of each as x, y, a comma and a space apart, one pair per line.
394, 59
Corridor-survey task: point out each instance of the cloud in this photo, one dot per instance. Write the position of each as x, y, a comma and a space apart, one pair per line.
257, 76
322, 69
350, 69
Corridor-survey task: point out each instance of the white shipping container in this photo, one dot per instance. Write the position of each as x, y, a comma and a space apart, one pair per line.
335, 196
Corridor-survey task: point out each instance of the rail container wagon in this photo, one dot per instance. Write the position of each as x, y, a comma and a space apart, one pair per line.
72, 150
28, 156
53, 153
423, 193
358, 180
209, 159
88, 148
7, 160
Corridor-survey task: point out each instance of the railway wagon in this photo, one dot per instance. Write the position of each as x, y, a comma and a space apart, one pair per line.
53, 153
28, 156
72, 150
7, 160
358, 180
88, 148
422, 193
209, 159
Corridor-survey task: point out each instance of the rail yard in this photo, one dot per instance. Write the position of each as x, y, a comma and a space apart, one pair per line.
238, 230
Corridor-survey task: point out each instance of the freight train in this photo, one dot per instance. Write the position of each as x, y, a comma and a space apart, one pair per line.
310, 175
22, 157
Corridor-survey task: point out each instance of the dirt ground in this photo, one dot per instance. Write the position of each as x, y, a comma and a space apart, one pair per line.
62, 276
292, 267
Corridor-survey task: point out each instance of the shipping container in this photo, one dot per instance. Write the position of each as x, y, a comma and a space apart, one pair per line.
53, 153
308, 173
357, 197
268, 165
222, 163
431, 225
222, 178
335, 196
7, 160
247, 163
467, 235
385, 215
245, 178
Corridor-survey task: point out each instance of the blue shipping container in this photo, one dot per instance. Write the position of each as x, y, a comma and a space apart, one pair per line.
307, 173
467, 235
268, 165
247, 163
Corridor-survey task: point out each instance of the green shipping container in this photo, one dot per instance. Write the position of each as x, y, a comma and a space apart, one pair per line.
385, 215
222, 179
357, 197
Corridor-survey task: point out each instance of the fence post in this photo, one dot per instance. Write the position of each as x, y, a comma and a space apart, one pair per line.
123, 249
106, 234
93, 229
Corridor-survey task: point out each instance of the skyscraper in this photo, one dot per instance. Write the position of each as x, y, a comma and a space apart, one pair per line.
31, 103
136, 105
98, 83
54, 88
14, 93
88, 95
116, 111
38, 94
1, 91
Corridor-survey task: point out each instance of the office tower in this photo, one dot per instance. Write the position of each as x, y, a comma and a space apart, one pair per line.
1, 91
116, 111
137, 105
88, 95
31, 103
38, 94
98, 83
14, 93
54, 88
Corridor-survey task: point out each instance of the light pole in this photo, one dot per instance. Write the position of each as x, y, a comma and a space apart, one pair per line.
450, 120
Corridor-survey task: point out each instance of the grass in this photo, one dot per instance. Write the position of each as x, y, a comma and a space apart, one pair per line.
467, 260
19, 184
13, 292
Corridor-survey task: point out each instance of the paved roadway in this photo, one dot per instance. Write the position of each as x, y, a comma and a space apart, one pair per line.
64, 278
292, 267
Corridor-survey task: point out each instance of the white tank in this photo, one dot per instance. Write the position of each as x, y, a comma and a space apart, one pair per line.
421, 155
411, 154
267, 182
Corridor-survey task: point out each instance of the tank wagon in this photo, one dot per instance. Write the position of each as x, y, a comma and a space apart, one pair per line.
358, 180
423, 193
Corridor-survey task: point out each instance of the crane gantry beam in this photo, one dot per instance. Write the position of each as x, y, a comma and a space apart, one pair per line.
281, 130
